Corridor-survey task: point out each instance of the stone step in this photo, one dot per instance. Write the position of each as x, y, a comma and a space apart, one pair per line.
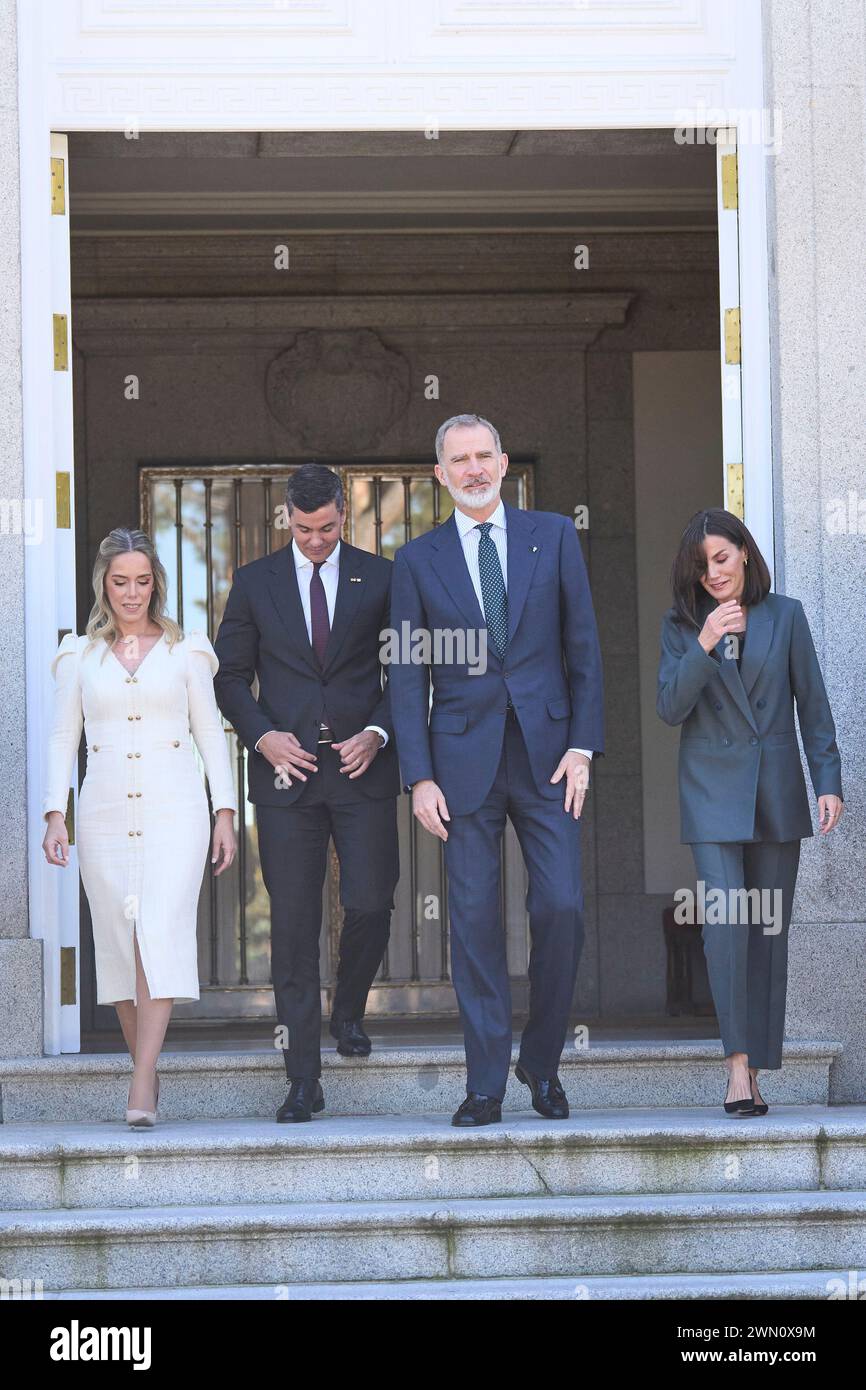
418, 1157
395, 1080
516, 1238
788, 1285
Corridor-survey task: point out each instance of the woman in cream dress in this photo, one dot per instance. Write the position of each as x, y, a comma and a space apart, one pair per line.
139, 687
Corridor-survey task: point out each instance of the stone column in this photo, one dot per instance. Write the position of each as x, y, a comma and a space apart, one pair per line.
815, 65
20, 957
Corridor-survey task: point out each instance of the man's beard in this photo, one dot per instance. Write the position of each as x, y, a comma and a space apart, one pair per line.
478, 497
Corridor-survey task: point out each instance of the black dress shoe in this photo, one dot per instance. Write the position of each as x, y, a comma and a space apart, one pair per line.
304, 1099
352, 1041
478, 1110
548, 1097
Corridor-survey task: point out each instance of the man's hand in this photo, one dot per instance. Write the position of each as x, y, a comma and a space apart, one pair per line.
284, 752
575, 768
829, 811
429, 806
357, 753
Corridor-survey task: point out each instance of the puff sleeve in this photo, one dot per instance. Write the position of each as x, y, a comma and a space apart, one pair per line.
67, 724
205, 722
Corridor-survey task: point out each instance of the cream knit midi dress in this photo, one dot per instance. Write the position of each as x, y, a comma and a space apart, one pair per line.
143, 826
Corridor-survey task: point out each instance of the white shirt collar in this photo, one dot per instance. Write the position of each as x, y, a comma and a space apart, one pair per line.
465, 523
301, 561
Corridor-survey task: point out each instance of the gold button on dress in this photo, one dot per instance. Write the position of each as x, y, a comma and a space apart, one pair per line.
143, 826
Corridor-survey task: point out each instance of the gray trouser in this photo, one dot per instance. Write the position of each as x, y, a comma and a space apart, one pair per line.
746, 953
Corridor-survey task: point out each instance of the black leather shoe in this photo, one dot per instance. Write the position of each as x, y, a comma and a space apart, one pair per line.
352, 1041
548, 1097
304, 1099
478, 1110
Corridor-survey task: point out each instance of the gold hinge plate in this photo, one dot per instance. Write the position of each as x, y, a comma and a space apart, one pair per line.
61, 348
735, 500
58, 187
730, 196
732, 335
63, 501
67, 975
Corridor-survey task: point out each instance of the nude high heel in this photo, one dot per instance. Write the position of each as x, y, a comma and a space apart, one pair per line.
141, 1119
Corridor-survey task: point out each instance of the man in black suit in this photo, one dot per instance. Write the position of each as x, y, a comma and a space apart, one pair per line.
306, 621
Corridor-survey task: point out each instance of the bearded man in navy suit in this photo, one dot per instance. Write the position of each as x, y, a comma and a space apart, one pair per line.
514, 739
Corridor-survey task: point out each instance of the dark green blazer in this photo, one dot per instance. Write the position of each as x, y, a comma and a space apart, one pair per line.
740, 775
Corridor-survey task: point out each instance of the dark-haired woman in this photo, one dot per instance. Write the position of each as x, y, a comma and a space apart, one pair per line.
734, 658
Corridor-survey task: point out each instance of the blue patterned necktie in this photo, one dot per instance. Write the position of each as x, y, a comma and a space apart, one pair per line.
493, 588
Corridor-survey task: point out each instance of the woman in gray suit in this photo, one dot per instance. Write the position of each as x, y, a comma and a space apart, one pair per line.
734, 658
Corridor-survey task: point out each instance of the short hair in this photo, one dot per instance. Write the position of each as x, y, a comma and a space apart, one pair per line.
690, 597
313, 486
464, 420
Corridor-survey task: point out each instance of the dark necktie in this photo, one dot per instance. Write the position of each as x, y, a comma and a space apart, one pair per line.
319, 614
493, 588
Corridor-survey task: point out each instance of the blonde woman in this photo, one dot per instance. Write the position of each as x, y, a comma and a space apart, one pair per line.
139, 686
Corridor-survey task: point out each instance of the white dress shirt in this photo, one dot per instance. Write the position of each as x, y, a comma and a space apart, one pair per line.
470, 539
330, 575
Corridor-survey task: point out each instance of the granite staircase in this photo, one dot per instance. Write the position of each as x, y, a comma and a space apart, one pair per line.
648, 1191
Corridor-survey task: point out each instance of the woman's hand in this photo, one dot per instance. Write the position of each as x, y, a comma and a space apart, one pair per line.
225, 845
725, 618
55, 846
829, 811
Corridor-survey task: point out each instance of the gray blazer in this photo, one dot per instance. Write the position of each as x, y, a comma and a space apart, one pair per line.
740, 775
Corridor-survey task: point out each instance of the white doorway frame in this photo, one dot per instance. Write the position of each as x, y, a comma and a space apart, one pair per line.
341, 65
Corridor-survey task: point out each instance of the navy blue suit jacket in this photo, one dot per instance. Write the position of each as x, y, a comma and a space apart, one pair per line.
551, 669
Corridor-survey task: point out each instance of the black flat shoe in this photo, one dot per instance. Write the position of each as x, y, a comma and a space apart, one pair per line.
759, 1109
352, 1041
746, 1106
548, 1097
478, 1110
304, 1099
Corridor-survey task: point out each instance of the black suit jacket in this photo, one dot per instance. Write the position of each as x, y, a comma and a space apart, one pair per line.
263, 633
